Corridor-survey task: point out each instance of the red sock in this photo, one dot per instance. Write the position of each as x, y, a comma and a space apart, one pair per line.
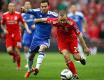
18, 59
71, 66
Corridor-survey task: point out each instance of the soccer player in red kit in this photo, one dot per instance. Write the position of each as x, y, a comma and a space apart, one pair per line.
67, 33
12, 30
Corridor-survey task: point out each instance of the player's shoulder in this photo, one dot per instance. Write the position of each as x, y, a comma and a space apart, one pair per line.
23, 14
5, 13
35, 10
70, 14
16, 12
79, 13
53, 13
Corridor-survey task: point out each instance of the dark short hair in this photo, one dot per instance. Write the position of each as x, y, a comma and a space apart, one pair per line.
44, 1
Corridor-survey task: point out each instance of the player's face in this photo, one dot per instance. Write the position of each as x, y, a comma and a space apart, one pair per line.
27, 5
44, 7
11, 7
73, 8
62, 16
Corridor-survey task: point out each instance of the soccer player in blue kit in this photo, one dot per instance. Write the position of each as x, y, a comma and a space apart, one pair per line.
79, 18
27, 38
41, 38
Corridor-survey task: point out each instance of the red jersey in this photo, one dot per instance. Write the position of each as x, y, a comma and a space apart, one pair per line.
11, 20
66, 34
65, 30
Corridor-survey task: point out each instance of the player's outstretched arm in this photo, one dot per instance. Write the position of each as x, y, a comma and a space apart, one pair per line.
26, 27
3, 25
4, 29
40, 20
86, 49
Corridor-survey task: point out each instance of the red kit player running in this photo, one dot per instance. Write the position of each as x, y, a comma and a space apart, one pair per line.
12, 30
67, 33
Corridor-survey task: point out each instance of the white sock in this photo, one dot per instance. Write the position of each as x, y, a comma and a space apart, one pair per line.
26, 56
81, 51
40, 59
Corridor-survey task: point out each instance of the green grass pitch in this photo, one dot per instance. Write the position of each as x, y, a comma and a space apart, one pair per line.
51, 68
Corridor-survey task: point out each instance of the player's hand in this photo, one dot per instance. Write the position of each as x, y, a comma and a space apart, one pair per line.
5, 31
23, 9
87, 51
44, 19
28, 31
33, 26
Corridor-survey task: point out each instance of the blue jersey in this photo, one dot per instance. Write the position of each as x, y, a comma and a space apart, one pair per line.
29, 19
27, 38
78, 17
42, 30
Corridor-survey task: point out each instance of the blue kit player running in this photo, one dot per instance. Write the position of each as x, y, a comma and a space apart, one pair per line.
41, 38
79, 18
27, 38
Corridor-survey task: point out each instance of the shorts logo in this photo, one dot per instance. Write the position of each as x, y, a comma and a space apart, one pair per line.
19, 44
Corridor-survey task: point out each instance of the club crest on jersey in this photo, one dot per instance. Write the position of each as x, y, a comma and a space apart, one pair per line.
7, 18
40, 15
31, 16
15, 18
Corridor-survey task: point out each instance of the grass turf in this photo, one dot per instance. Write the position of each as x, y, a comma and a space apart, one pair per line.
51, 68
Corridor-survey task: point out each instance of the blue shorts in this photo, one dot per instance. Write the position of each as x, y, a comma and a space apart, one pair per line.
36, 43
27, 39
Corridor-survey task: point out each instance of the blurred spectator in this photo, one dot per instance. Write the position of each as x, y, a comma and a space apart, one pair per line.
102, 30
93, 32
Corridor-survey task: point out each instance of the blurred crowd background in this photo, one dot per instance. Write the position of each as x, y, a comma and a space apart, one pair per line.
93, 11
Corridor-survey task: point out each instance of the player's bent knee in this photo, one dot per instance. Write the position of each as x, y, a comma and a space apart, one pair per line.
65, 52
43, 48
77, 57
66, 55
9, 49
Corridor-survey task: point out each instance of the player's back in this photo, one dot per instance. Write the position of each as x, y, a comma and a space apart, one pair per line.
42, 30
78, 17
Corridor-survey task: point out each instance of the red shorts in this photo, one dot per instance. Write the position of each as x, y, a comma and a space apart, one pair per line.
68, 44
13, 39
